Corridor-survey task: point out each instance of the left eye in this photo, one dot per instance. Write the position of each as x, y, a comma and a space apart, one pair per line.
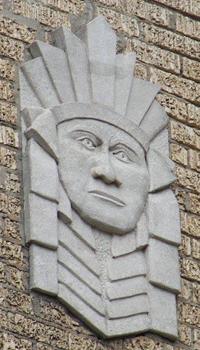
88, 143
121, 155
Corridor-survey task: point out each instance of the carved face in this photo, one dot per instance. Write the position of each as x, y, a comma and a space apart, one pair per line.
104, 172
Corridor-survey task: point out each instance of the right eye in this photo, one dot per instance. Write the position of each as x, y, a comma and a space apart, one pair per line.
88, 143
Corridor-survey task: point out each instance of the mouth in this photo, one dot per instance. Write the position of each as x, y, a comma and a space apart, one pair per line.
108, 197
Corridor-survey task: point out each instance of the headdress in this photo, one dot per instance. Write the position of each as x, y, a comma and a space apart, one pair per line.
87, 79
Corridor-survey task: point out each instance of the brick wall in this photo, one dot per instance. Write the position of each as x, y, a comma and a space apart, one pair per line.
165, 35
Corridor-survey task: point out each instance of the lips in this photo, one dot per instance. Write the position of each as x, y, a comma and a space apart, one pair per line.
108, 197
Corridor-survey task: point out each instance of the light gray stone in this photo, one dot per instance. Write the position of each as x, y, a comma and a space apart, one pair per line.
101, 43
57, 66
123, 80
43, 172
35, 71
164, 205
79, 66
157, 164
99, 215
163, 312
43, 130
43, 273
41, 224
163, 265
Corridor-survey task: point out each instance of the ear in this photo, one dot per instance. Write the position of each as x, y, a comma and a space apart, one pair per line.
160, 170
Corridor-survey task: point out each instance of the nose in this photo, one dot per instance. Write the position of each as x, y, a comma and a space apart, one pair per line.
105, 171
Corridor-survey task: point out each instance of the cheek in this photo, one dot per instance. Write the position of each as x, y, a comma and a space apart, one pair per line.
74, 165
137, 180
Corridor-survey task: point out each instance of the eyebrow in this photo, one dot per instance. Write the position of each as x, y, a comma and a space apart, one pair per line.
122, 144
86, 132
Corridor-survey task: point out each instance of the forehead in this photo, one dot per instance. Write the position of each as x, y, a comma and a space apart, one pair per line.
104, 131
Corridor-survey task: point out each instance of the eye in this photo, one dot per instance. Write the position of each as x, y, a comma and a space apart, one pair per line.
88, 143
122, 155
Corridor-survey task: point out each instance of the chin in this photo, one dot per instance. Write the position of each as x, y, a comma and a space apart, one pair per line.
112, 221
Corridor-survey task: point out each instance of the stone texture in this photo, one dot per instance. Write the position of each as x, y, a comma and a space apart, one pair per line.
191, 7
190, 224
11, 48
179, 154
14, 30
155, 41
40, 13
11, 342
123, 24
194, 159
194, 203
185, 134
170, 40
188, 26
8, 158
188, 178
8, 113
191, 69
190, 269
156, 56
179, 86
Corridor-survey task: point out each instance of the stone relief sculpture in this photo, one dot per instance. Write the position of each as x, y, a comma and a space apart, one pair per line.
100, 218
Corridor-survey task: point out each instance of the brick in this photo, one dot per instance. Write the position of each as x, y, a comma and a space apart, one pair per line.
8, 158
191, 7
191, 69
15, 278
196, 343
6, 91
140, 71
185, 247
7, 69
188, 179
11, 230
9, 182
170, 40
121, 23
11, 48
194, 203
140, 8
194, 159
196, 293
189, 314
184, 134
186, 289
2, 273
16, 301
190, 224
196, 248
9, 341
193, 115
190, 269
8, 113
181, 198
17, 31
188, 26
156, 56
180, 109
10, 206
40, 13
12, 253
173, 84
72, 6
174, 107
8, 136
185, 334
178, 154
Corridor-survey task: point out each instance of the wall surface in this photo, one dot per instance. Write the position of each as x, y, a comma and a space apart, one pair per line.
165, 35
